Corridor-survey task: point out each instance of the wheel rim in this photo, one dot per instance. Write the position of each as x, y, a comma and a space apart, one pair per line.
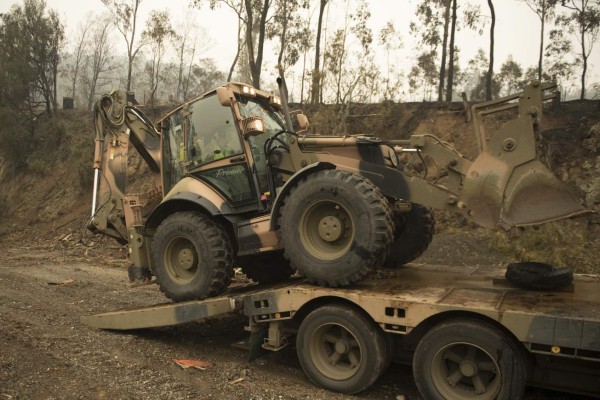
465, 371
335, 352
326, 230
181, 260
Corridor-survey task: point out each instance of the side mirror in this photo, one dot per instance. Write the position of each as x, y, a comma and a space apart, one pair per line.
253, 126
302, 122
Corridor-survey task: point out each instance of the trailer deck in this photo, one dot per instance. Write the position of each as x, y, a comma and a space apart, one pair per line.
551, 325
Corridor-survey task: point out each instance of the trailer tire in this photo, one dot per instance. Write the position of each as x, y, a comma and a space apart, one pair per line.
336, 227
271, 267
538, 276
341, 349
468, 359
412, 235
192, 257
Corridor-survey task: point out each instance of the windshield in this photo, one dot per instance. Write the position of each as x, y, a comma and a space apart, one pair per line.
274, 123
256, 107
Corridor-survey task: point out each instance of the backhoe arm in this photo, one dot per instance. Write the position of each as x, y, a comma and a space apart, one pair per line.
117, 124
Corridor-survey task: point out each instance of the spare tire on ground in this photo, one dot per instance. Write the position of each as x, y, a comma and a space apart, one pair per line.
538, 276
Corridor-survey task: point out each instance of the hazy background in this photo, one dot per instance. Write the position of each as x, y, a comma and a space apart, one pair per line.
517, 35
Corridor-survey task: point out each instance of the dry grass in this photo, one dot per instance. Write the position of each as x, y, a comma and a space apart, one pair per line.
569, 243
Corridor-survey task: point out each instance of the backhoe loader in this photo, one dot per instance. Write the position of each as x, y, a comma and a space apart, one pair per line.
238, 181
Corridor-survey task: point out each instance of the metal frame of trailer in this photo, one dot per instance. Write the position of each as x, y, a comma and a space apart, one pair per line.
466, 328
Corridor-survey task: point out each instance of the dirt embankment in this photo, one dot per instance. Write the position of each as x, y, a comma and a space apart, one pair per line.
50, 197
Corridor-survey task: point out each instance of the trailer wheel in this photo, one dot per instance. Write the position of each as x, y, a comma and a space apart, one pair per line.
268, 267
468, 359
192, 257
336, 227
538, 276
340, 349
412, 235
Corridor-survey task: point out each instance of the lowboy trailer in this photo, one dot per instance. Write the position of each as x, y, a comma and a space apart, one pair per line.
467, 331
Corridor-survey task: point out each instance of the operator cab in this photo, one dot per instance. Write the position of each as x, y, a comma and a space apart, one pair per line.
224, 144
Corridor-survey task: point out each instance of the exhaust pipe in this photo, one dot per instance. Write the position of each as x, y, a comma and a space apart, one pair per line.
283, 93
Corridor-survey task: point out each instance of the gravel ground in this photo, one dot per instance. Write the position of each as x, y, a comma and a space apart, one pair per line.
46, 353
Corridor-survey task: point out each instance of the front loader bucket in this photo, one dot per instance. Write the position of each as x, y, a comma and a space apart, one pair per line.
506, 185
534, 195
527, 194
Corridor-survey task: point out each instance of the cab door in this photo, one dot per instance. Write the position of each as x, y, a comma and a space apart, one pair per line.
215, 152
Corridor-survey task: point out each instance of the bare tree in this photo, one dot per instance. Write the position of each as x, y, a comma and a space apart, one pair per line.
391, 40
583, 20
560, 68
476, 77
544, 9
316, 74
125, 14
288, 27
158, 31
444, 49
424, 74
471, 19
98, 58
451, 58
510, 77
490, 73
78, 54
255, 45
238, 7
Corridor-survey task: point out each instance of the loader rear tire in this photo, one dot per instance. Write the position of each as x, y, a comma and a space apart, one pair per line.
412, 236
192, 257
336, 227
269, 267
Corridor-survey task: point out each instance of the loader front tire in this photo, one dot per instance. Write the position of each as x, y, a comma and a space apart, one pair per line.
336, 227
192, 258
412, 235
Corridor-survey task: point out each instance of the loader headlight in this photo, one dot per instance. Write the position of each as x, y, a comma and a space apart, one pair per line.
275, 101
249, 91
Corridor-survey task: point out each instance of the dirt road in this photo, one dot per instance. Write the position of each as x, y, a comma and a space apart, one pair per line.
46, 353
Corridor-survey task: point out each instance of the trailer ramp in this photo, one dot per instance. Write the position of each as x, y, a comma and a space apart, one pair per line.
169, 314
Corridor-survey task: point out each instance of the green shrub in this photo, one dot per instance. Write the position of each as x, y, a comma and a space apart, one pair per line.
567, 243
15, 142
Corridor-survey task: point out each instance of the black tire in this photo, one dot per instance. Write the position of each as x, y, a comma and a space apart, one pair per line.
192, 257
271, 267
468, 359
341, 349
412, 235
336, 227
538, 276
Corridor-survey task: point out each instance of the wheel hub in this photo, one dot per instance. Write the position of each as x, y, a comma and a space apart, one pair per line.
330, 228
186, 258
468, 368
342, 347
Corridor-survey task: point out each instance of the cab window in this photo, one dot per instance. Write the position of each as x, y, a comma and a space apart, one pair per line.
212, 132
173, 149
